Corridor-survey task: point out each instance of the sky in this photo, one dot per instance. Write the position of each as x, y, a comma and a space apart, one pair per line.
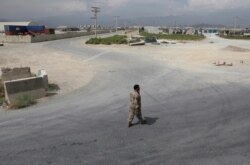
211, 11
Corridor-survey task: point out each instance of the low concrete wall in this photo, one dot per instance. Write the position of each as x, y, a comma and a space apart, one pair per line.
42, 38
15, 39
33, 87
51, 37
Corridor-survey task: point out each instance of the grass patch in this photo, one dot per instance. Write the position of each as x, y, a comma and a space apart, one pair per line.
23, 101
52, 90
181, 37
117, 39
53, 87
2, 100
150, 39
236, 37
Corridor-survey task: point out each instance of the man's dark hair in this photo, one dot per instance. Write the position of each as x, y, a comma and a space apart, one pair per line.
136, 86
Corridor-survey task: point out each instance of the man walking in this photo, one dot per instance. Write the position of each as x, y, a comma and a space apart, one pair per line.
135, 106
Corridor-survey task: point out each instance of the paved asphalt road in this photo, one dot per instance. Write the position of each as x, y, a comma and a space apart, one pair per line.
191, 119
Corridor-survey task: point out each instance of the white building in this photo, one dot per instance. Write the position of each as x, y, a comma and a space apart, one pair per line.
153, 29
189, 30
2, 24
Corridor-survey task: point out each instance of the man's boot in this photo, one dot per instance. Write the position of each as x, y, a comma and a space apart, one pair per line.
143, 122
129, 124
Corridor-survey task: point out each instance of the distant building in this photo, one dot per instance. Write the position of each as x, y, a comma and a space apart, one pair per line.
61, 27
30, 23
152, 29
189, 31
210, 31
176, 30
173, 30
246, 32
232, 32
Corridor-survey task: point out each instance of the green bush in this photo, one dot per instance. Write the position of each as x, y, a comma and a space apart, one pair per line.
150, 39
235, 37
173, 36
117, 39
1, 101
53, 87
23, 101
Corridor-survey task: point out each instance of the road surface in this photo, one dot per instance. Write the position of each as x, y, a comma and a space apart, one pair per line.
191, 119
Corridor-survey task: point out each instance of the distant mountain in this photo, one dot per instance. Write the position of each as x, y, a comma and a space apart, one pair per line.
71, 20
61, 20
4, 20
212, 20
77, 19
187, 20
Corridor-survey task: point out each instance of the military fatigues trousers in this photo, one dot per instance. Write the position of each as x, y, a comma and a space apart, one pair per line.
133, 113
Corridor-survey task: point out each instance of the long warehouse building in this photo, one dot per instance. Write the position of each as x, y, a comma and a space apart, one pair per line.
30, 23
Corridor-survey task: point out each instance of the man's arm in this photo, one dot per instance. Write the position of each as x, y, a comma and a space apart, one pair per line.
137, 101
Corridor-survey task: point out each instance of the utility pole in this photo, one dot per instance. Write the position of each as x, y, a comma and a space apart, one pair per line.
236, 22
116, 17
95, 10
235, 25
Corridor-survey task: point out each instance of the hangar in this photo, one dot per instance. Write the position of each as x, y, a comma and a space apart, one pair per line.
30, 23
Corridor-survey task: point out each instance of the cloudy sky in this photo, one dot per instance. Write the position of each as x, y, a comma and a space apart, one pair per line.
219, 11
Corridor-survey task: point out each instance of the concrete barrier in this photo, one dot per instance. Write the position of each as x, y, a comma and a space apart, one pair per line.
15, 39
42, 38
33, 87
42, 73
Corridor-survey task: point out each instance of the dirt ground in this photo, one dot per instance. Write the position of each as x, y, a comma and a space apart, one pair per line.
71, 72
195, 56
67, 71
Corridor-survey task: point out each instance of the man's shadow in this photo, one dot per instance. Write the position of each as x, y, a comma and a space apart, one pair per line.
149, 120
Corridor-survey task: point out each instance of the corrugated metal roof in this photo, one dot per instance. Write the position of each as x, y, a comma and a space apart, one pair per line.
19, 23
30, 23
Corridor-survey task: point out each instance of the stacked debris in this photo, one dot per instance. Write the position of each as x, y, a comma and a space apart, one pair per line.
222, 63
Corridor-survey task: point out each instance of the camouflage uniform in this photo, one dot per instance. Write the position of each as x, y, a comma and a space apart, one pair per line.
135, 107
